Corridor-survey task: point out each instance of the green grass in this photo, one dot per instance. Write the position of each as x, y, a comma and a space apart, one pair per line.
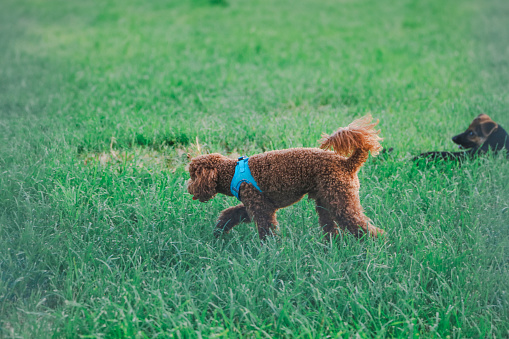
101, 101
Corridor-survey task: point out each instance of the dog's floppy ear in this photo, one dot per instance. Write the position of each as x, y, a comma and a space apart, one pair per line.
204, 182
483, 117
488, 126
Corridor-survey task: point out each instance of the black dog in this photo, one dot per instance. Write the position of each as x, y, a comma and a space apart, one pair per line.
482, 135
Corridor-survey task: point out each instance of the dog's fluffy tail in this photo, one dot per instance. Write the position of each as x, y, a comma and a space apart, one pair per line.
355, 141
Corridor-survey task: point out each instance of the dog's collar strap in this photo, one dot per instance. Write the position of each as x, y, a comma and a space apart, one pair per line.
242, 174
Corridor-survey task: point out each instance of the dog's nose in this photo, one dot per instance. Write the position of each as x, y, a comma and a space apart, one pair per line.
455, 138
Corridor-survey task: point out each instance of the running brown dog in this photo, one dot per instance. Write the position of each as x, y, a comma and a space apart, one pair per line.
281, 178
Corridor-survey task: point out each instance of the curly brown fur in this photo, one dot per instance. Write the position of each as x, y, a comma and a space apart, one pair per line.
359, 135
285, 176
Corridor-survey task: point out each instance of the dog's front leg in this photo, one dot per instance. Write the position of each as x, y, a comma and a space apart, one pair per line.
441, 156
260, 209
231, 217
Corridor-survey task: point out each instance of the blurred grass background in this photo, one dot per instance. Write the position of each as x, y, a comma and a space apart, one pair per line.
101, 101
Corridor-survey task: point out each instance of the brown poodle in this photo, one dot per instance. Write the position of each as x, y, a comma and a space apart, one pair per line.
285, 176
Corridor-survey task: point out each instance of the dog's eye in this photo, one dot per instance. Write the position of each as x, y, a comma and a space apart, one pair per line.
471, 134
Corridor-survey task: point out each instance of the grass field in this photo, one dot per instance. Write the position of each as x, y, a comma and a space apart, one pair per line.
100, 101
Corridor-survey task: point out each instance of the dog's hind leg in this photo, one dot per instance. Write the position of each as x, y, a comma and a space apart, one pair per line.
326, 220
355, 222
231, 217
348, 214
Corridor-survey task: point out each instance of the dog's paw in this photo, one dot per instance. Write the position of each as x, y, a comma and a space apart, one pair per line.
218, 232
375, 232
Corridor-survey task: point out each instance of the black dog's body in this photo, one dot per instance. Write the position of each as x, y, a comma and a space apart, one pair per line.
482, 135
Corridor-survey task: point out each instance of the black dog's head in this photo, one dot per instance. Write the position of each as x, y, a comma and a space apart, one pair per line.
477, 133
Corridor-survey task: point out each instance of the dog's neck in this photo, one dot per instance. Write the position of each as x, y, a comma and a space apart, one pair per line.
225, 172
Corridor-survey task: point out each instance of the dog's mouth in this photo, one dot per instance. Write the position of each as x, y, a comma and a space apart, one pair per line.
463, 142
467, 146
201, 199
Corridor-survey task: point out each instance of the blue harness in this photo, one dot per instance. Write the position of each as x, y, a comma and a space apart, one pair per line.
242, 174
